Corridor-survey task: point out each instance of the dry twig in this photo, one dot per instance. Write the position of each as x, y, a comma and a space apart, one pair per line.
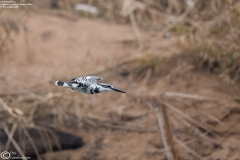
178, 111
32, 143
169, 132
113, 125
161, 127
10, 136
188, 149
13, 141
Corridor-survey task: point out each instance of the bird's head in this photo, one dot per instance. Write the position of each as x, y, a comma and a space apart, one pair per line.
108, 87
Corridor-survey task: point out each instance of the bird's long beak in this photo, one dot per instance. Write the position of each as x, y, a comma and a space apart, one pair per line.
117, 90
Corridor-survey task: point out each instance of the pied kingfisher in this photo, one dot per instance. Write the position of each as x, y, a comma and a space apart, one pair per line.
88, 85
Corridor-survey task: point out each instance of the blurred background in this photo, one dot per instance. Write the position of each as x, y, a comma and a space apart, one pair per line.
178, 61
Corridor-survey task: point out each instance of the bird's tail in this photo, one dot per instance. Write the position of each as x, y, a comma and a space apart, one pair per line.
63, 84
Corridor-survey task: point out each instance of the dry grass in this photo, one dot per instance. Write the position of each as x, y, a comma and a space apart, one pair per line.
7, 28
210, 33
210, 29
58, 110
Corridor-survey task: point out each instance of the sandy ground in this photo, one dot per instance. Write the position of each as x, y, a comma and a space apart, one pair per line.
55, 48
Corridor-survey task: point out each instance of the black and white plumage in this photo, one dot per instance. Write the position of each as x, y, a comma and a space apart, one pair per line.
88, 85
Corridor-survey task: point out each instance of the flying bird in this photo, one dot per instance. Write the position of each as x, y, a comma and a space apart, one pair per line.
88, 85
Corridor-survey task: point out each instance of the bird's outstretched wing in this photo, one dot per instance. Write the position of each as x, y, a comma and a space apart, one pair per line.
91, 79
83, 82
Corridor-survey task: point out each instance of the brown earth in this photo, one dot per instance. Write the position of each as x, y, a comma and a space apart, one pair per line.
58, 48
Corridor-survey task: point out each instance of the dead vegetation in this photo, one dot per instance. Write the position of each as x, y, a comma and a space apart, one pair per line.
7, 27
184, 121
209, 30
